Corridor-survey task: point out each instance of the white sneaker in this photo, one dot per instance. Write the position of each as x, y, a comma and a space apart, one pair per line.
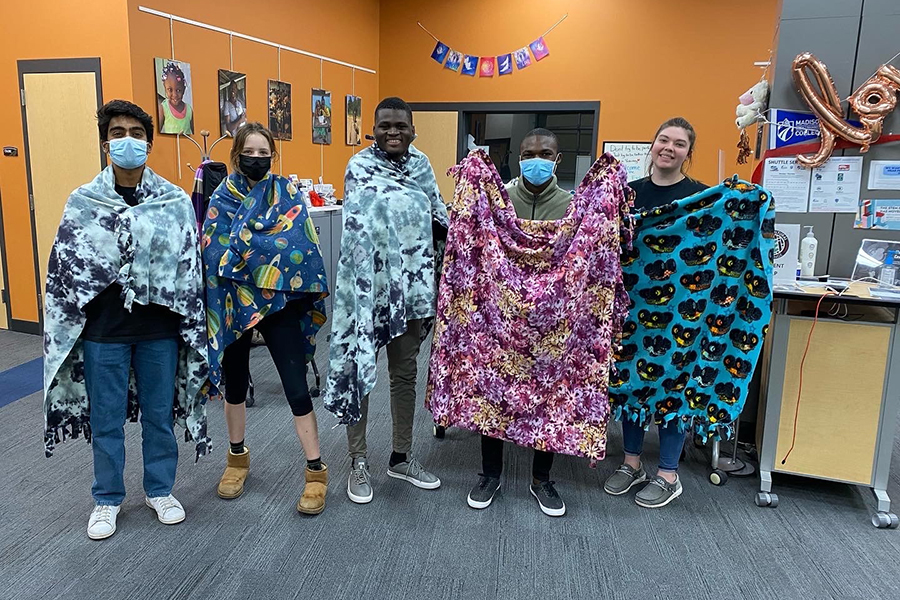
168, 509
102, 523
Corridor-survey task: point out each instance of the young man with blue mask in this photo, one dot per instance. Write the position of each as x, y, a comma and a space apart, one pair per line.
125, 328
535, 194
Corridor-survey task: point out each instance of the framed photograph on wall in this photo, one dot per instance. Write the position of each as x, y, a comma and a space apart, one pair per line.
280, 110
232, 101
174, 96
354, 120
321, 116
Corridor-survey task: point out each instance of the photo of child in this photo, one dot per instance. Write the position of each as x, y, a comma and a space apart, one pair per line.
280, 110
232, 101
174, 97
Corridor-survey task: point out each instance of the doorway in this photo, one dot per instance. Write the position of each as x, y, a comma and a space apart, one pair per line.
499, 127
60, 98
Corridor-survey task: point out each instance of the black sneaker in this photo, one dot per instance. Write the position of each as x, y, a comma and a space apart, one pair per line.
484, 491
548, 499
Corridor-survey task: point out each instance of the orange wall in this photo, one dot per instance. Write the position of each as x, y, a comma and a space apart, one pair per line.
345, 31
87, 28
644, 60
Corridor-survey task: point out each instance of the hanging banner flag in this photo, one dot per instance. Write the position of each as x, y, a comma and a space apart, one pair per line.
539, 49
454, 59
440, 52
522, 58
487, 66
469, 65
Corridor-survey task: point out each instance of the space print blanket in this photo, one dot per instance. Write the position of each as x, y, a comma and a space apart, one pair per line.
260, 251
387, 271
528, 311
152, 251
699, 276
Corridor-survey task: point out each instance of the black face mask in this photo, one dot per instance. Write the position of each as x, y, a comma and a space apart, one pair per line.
255, 167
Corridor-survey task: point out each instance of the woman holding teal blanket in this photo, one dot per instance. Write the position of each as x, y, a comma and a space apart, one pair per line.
264, 271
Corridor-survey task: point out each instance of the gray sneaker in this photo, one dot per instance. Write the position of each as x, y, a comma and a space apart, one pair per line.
413, 472
658, 492
484, 492
625, 478
548, 499
359, 484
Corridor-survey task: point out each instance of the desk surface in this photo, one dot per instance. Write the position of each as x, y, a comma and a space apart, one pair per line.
857, 293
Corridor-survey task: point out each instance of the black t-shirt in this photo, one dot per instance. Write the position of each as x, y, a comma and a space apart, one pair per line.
648, 195
108, 321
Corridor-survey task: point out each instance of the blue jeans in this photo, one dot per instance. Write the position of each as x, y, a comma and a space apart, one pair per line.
106, 372
671, 442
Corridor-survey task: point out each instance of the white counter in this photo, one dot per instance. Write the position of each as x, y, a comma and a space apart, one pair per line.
323, 209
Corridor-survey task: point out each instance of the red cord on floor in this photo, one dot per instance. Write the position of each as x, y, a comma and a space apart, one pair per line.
800, 387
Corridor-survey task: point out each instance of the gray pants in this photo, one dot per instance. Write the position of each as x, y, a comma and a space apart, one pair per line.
402, 353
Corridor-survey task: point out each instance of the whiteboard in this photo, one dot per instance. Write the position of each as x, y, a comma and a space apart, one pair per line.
632, 154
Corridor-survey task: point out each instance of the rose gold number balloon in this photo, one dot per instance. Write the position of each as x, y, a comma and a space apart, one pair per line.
873, 100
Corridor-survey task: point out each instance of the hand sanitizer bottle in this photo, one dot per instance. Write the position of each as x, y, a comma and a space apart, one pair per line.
888, 271
808, 254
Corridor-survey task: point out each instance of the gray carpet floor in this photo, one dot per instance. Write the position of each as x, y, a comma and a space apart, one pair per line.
17, 348
712, 543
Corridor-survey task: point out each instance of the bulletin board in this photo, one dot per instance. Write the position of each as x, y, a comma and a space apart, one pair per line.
632, 154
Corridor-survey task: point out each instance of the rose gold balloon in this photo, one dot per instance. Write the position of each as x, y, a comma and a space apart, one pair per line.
875, 99
826, 105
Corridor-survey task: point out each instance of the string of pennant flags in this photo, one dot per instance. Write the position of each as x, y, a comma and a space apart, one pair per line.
488, 66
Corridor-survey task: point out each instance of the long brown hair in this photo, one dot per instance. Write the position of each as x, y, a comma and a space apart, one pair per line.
240, 139
692, 138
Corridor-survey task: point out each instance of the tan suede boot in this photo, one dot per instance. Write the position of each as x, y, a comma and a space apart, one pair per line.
312, 502
236, 470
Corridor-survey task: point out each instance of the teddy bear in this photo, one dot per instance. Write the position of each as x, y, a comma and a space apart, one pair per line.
753, 103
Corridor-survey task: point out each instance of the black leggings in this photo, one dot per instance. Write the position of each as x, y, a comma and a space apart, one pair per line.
492, 460
284, 339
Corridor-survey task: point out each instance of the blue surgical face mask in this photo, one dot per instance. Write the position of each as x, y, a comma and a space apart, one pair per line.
128, 152
537, 171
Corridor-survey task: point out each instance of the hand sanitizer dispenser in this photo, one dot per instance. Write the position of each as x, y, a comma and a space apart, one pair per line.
808, 254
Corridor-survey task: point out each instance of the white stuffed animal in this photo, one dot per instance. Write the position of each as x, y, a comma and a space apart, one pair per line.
753, 103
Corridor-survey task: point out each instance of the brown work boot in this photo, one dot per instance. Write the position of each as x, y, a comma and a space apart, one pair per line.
312, 502
237, 468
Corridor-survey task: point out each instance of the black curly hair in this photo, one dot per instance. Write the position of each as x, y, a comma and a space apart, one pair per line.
122, 108
394, 103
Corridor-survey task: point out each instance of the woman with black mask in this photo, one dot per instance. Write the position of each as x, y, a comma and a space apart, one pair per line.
264, 271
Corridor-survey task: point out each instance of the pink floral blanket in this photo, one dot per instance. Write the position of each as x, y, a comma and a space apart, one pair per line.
528, 312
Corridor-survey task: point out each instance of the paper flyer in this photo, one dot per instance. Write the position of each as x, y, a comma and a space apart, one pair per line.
788, 182
878, 214
787, 248
835, 185
884, 175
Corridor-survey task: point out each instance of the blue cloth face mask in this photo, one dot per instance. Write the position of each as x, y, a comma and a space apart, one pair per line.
128, 152
537, 171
